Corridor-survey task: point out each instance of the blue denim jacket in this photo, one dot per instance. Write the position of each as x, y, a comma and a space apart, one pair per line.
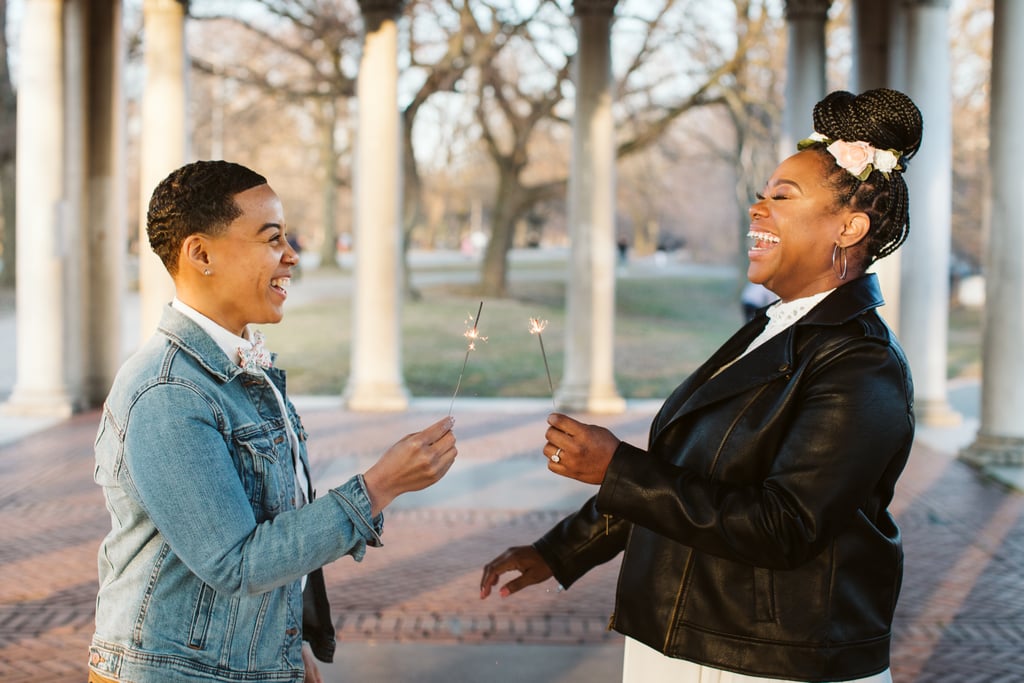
199, 577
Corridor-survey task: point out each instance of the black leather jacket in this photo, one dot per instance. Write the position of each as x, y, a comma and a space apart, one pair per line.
756, 532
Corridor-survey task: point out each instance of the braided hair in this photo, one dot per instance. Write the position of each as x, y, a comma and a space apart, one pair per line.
196, 198
885, 119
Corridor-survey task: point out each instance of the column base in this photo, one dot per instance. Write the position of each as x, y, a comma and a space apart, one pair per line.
376, 398
936, 413
28, 403
606, 402
989, 449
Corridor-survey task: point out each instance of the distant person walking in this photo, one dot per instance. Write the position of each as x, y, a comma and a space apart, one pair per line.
295, 242
754, 297
212, 567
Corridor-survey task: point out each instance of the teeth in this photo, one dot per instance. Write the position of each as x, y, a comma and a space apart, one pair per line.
281, 282
763, 236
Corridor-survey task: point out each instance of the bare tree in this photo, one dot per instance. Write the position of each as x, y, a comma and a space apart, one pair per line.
515, 106
673, 63
309, 59
448, 40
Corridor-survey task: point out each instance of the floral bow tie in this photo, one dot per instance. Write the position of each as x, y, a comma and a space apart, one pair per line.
256, 357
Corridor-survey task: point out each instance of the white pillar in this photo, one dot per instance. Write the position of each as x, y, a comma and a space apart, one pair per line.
805, 69
41, 375
872, 25
589, 382
103, 244
1000, 438
375, 379
164, 142
924, 314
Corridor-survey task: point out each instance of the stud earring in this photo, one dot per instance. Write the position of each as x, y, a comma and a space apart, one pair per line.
206, 272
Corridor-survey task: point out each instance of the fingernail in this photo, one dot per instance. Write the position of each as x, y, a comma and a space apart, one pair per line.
505, 592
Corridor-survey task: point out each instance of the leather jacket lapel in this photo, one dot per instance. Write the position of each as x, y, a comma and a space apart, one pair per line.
679, 398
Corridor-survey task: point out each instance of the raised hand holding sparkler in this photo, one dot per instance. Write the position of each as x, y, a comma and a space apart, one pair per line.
472, 335
536, 327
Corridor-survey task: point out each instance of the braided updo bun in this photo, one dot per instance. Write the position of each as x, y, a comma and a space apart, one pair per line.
887, 120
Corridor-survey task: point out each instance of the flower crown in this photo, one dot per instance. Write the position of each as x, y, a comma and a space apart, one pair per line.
859, 158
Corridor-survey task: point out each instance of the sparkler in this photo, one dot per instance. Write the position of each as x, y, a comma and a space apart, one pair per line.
472, 335
536, 327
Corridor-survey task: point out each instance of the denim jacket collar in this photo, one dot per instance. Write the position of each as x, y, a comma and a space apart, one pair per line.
193, 340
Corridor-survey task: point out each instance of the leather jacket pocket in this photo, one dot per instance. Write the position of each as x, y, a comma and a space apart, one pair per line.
764, 595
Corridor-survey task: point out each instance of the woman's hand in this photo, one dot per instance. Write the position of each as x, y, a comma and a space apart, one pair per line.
578, 451
415, 462
525, 559
309, 663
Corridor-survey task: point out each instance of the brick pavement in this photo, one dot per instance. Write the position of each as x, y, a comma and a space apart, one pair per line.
960, 618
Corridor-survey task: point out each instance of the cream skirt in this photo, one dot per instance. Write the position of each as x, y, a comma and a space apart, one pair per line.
641, 664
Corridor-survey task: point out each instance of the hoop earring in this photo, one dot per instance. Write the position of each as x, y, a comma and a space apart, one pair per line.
842, 250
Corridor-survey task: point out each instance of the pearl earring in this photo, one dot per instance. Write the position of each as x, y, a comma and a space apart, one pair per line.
206, 272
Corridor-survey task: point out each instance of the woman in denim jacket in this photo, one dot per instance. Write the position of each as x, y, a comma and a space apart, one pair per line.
211, 570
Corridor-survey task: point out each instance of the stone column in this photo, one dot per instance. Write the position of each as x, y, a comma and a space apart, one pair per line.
589, 382
40, 386
104, 234
873, 28
1000, 439
375, 379
805, 69
924, 313
164, 142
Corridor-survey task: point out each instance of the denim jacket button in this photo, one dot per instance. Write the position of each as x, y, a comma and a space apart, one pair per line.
292, 631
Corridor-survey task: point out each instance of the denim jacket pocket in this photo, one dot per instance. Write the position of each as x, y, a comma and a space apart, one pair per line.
263, 477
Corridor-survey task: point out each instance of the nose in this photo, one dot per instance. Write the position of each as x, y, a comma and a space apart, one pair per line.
291, 257
756, 210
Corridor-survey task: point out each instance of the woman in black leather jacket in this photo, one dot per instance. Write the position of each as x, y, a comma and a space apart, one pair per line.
756, 536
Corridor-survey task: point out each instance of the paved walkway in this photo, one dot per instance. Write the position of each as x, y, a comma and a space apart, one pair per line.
411, 612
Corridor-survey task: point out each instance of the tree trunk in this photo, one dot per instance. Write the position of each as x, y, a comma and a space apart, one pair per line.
412, 198
8, 126
494, 275
329, 156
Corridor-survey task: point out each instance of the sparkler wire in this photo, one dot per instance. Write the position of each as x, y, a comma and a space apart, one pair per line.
470, 334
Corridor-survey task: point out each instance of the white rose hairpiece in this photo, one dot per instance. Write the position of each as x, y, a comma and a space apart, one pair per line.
859, 158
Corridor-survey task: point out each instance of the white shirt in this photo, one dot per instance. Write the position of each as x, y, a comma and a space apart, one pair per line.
229, 342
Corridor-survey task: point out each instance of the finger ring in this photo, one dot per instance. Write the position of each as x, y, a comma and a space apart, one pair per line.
557, 457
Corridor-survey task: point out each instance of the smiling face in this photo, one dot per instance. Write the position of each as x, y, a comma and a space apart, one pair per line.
794, 227
249, 262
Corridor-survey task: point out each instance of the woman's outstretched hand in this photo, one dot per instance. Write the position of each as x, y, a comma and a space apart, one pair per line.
577, 450
525, 559
415, 462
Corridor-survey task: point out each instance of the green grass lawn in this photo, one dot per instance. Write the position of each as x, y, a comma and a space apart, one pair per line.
664, 328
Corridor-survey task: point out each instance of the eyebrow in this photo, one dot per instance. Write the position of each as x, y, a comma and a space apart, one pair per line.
269, 226
786, 181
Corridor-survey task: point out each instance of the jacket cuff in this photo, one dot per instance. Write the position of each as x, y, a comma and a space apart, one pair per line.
625, 456
355, 500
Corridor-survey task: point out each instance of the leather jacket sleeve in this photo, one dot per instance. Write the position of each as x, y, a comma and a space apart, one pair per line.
582, 541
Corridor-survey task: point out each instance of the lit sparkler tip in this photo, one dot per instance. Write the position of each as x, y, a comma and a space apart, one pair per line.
537, 325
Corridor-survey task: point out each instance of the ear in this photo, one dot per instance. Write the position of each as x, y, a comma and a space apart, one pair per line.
854, 230
194, 254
